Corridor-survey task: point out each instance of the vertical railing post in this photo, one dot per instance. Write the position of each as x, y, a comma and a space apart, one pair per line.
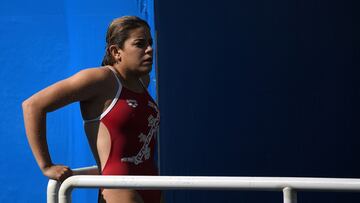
290, 195
54, 186
52, 191
66, 197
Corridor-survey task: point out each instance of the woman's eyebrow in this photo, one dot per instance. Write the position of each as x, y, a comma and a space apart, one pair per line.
144, 39
140, 39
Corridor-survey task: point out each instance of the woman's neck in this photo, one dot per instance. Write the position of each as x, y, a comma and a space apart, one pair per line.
129, 80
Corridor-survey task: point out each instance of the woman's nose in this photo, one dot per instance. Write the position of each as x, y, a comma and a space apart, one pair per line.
149, 49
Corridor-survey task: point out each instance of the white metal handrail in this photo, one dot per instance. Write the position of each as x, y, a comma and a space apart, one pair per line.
288, 185
54, 186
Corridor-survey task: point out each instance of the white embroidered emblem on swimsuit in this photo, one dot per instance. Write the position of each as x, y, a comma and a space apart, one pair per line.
144, 153
131, 102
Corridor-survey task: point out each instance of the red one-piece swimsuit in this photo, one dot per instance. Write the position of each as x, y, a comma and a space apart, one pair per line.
132, 120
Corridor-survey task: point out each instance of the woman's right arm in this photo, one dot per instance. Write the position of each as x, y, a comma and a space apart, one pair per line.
83, 86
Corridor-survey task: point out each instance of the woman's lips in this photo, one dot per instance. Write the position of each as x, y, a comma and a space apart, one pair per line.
148, 61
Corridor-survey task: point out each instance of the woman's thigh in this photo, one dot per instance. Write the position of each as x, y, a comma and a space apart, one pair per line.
120, 196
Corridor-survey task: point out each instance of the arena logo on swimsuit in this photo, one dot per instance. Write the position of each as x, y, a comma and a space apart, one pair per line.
145, 150
132, 103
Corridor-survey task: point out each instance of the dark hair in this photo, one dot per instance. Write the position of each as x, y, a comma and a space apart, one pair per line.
118, 31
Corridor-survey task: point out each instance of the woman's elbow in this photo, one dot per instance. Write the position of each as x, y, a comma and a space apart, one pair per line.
26, 105
29, 105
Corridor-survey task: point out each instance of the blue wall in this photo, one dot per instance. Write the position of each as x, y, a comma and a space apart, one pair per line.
43, 42
259, 88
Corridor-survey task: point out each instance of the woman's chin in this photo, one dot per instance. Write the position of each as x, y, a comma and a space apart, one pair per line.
144, 70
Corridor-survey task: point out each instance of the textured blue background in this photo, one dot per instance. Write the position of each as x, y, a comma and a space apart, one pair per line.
41, 43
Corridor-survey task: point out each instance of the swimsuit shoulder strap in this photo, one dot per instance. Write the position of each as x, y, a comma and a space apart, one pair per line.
108, 109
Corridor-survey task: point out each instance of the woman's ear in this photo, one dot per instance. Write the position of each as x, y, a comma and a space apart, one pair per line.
115, 53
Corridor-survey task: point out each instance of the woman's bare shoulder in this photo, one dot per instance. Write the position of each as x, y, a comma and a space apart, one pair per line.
93, 74
83, 85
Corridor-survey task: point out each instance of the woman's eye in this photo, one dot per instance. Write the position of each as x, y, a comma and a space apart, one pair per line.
143, 43
140, 44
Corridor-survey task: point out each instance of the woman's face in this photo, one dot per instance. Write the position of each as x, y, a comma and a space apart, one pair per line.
137, 53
